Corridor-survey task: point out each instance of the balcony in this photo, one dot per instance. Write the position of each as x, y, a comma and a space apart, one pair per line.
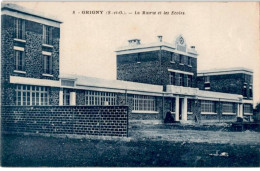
181, 90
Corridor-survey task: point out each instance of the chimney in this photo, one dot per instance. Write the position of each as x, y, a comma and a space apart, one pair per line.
134, 42
159, 38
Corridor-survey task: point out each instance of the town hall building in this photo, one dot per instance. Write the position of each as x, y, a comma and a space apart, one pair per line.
152, 79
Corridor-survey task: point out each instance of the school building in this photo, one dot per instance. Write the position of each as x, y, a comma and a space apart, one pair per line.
152, 79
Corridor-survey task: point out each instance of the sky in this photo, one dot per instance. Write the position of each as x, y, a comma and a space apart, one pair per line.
225, 34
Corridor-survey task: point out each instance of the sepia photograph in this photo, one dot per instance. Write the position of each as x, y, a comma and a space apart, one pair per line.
130, 84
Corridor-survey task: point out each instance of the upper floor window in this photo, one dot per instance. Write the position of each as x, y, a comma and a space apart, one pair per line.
207, 82
245, 90
47, 35
206, 79
181, 79
172, 78
189, 80
178, 58
189, 61
182, 58
19, 27
47, 64
172, 57
138, 59
250, 91
19, 60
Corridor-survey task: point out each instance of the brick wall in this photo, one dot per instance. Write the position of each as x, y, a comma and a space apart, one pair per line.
152, 67
33, 60
77, 120
229, 83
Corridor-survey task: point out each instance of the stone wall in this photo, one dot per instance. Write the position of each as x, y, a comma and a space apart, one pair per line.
76, 120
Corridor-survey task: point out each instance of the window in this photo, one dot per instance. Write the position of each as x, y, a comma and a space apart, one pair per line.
189, 80
250, 91
177, 57
66, 97
245, 90
206, 79
69, 83
100, 98
19, 26
208, 106
138, 60
228, 107
248, 108
172, 57
19, 60
189, 106
189, 61
47, 35
172, 78
207, 82
181, 79
144, 103
182, 59
47, 64
31, 95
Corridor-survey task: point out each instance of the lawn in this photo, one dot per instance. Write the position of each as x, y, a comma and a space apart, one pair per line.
20, 150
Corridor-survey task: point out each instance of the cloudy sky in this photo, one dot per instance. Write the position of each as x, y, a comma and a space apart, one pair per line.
225, 34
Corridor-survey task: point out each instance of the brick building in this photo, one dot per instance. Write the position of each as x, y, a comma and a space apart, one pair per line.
152, 79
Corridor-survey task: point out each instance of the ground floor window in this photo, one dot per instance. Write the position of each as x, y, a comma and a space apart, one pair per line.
228, 107
66, 97
208, 106
31, 95
144, 103
248, 108
100, 98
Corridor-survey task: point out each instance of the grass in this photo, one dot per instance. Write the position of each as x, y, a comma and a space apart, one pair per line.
35, 151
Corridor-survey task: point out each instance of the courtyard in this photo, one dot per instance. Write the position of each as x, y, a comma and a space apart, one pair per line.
154, 146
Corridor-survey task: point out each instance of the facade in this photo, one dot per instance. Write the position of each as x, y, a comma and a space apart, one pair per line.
232, 80
151, 79
30, 57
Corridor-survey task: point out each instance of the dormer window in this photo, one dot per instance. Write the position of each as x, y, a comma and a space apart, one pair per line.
19, 26
47, 35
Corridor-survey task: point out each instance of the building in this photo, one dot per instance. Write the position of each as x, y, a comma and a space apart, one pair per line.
151, 79
30, 57
231, 80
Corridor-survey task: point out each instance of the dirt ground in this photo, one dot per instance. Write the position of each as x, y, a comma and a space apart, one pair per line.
149, 147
